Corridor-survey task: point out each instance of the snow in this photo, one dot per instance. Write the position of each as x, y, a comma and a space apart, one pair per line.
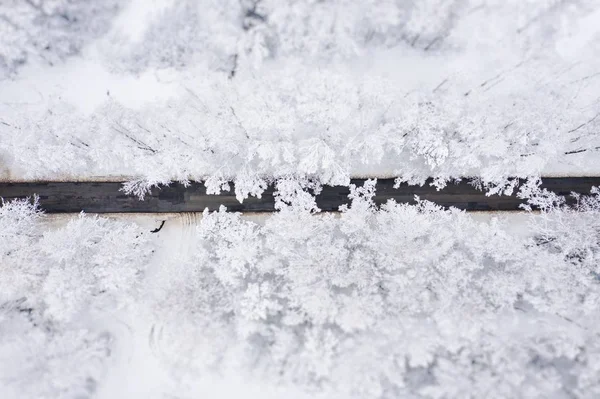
137, 368
586, 30
404, 301
133, 21
255, 91
36, 86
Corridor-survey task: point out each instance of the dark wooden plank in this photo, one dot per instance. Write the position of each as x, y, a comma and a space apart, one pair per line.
107, 197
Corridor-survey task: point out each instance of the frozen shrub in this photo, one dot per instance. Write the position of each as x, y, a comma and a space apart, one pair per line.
406, 300
55, 286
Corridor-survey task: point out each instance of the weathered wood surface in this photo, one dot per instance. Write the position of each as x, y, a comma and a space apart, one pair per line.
107, 197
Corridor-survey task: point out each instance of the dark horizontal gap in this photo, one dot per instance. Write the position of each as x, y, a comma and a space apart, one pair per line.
107, 197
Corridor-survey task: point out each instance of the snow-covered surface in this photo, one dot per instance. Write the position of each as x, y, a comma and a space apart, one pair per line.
405, 301
254, 90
